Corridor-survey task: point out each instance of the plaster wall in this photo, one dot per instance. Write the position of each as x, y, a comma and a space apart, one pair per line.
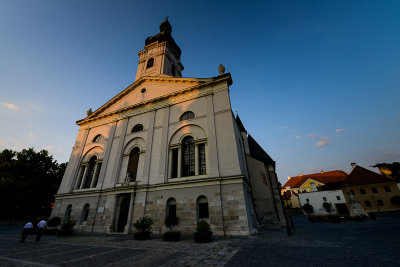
316, 200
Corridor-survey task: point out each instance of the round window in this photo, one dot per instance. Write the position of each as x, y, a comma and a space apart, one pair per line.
144, 90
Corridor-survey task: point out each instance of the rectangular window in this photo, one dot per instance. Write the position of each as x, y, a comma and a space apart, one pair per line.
362, 191
387, 189
367, 203
374, 190
338, 197
174, 162
324, 198
380, 202
202, 159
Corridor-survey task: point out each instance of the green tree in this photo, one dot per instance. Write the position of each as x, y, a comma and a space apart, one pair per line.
28, 182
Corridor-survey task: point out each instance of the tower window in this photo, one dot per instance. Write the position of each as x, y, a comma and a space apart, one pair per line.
150, 63
137, 128
173, 70
186, 116
143, 90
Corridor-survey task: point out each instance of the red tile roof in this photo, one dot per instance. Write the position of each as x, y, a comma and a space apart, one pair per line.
362, 176
322, 177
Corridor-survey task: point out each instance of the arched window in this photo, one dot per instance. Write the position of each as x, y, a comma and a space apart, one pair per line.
137, 128
186, 116
133, 164
188, 156
171, 206
150, 63
98, 138
85, 213
202, 207
90, 172
68, 210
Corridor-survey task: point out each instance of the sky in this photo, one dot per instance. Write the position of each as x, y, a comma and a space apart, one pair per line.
316, 83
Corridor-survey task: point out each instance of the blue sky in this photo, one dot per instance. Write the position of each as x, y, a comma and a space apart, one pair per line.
316, 83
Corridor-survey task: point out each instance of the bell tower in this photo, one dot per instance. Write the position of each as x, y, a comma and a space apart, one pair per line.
161, 55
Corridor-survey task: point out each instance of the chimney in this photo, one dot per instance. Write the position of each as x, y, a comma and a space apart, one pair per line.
322, 171
289, 177
353, 165
300, 174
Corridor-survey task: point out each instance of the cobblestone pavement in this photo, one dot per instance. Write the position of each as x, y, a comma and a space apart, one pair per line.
371, 243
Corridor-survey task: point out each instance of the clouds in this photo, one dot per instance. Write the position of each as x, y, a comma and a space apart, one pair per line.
339, 130
10, 106
321, 140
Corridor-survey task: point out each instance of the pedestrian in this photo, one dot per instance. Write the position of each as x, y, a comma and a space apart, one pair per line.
40, 228
28, 229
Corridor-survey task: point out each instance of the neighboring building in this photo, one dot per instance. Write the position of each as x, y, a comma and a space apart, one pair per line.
291, 199
372, 190
311, 183
168, 145
317, 199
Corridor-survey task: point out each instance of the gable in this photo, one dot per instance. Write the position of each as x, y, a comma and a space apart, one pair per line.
145, 90
307, 183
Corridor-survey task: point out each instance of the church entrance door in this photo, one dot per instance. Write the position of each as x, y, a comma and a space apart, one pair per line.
123, 213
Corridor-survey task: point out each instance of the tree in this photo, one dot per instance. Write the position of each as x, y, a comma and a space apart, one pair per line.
308, 208
28, 182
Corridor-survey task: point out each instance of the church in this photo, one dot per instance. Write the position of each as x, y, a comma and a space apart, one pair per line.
169, 145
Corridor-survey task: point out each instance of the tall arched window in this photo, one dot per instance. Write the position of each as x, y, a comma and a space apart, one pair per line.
150, 63
186, 116
171, 206
68, 212
202, 207
137, 128
85, 213
133, 164
188, 156
90, 172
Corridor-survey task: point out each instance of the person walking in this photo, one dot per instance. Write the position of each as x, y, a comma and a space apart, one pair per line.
28, 229
40, 228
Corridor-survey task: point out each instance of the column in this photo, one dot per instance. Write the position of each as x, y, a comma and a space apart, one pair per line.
179, 161
128, 226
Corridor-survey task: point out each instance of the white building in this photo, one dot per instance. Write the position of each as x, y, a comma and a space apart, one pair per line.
317, 199
168, 144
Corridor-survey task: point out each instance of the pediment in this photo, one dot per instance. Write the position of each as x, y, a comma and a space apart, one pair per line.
145, 90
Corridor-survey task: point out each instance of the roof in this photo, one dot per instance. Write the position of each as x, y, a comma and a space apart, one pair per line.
240, 124
362, 176
257, 152
322, 177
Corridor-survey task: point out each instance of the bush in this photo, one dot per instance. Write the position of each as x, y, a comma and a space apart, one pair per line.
203, 232
143, 228
308, 208
67, 227
55, 221
171, 221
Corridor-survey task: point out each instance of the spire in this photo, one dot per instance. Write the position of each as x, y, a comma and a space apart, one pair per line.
165, 26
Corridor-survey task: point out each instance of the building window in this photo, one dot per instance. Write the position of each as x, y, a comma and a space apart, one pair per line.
137, 128
324, 198
186, 116
85, 213
144, 90
67, 214
380, 202
308, 200
174, 166
98, 138
367, 203
374, 190
202, 159
150, 63
133, 164
387, 189
202, 207
89, 174
188, 157
362, 191
173, 70
338, 197
171, 206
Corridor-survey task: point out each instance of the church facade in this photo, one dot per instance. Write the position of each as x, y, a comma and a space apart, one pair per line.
168, 144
